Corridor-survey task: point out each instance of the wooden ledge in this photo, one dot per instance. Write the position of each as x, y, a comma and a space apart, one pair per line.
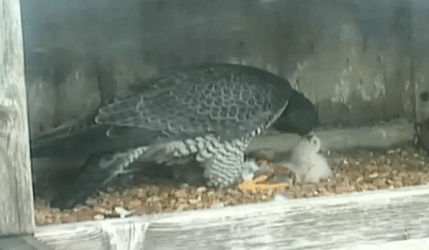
336, 222
22, 243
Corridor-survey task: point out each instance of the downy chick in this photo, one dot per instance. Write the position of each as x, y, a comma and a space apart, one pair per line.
307, 163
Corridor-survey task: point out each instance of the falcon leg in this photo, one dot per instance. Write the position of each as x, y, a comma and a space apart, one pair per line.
97, 171
223, 171
226, 172
224, 164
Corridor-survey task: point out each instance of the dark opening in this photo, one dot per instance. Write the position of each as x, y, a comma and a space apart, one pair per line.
424, 96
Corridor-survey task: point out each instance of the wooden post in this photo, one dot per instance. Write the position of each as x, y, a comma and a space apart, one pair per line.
16, 199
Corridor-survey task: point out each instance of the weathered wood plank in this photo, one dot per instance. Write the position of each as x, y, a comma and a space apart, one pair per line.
337, 222
22, 243
108, 234
16, 199
396, 245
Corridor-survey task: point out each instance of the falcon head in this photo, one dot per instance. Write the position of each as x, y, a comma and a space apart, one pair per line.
300, 116
314, 142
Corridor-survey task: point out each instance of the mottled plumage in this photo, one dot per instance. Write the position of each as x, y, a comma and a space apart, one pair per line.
207, 113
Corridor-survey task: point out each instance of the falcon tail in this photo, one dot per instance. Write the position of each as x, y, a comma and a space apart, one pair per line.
97, 171
75, 140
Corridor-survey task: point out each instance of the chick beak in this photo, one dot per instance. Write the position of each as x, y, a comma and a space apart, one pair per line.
308, 136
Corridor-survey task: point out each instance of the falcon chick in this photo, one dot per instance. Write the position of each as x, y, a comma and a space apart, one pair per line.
307, 163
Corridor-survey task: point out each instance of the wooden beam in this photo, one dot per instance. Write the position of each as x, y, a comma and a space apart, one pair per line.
16, 199
372, 218
381, 136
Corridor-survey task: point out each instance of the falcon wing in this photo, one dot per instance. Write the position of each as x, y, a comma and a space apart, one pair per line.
226, 100
222, 99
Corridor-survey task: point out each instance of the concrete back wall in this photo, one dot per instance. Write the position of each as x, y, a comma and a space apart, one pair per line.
359, 61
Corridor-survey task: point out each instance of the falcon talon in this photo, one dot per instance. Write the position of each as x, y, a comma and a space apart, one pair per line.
259, 185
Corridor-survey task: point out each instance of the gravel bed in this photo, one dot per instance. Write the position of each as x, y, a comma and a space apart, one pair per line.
354, 172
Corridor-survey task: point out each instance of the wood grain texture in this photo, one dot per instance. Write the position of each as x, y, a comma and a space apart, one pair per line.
16, 199
397, 245
337, 222
22, 243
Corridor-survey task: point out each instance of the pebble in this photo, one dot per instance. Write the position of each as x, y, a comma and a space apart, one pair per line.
360, 174
181, 193
99, 217
134, 204
279, 197
153, 199
153, 190
194, 201
181, 207
374, 175
217, 205
157, 206
123, 212
102, 210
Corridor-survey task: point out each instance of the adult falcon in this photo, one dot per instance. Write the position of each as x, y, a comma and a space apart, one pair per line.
207, 113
